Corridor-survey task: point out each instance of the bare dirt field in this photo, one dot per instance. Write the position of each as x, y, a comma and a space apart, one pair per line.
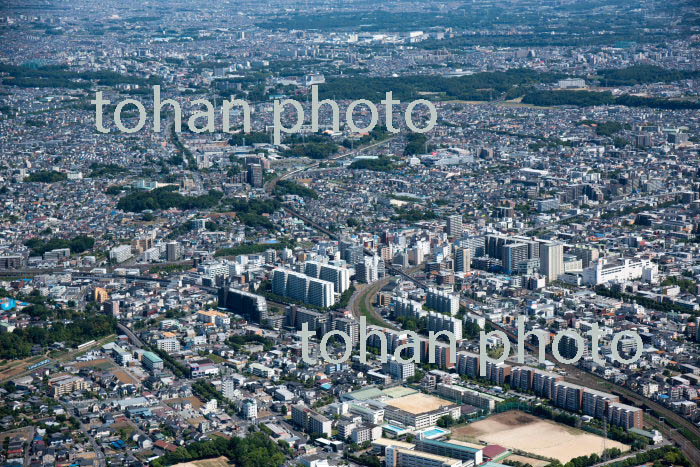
218, 462
527, 433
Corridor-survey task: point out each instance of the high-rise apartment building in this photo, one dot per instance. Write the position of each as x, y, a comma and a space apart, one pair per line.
552, 260
454, 225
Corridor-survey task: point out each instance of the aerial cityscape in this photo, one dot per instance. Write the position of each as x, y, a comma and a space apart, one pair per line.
390, 233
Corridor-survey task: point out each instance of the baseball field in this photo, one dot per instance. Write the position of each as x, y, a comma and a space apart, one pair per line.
527, 433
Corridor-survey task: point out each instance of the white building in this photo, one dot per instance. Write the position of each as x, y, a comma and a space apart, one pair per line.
120, 253
625, 269
250, 409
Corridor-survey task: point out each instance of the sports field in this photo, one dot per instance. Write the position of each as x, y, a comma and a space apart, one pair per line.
217, 462
527, 433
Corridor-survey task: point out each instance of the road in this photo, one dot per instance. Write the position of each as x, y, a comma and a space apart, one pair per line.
270, 185
101, 462
632, 454
132, 337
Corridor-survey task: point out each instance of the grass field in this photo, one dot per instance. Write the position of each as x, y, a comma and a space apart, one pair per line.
527, 433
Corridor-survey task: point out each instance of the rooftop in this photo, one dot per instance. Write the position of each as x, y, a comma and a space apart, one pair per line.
419, 403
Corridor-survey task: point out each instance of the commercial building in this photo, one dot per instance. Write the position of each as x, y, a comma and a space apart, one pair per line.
626, 269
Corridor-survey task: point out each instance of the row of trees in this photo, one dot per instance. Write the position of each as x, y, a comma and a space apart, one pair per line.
591, 98
289, 187
381, 164
19, 343
166, 198
640, 74
250, 212
313, 150
61, 77
479, 86
46, 176
77, 244
255, 450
